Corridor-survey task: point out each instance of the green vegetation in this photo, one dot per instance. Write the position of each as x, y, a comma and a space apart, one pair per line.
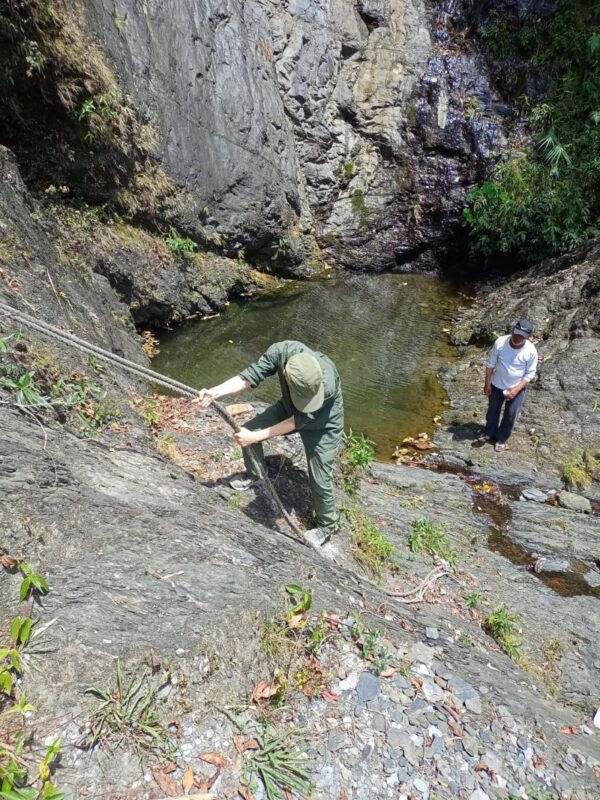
149, 411
369, 545
291, 642
359, 206
426, 537
279, 766
546, 199
18, 780
64, 108
128, 715
502, 626
359, 450
370, 648
349, 170
579, 470
473, 600
179, 245
26, 390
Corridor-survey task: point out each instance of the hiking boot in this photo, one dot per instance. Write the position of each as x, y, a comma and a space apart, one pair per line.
499, 447
317, 536
483, 438
242, 484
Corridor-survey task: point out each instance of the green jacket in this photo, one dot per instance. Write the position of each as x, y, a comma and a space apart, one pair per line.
330, 417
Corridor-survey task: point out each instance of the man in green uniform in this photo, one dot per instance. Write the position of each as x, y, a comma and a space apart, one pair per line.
311, 404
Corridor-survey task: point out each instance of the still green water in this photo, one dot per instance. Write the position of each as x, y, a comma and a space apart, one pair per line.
384, 334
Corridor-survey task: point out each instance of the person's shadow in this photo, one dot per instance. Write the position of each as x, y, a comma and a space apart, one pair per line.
290, 483
465, 432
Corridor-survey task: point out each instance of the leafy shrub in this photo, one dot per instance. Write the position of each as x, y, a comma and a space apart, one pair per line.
180, 245
360, 450
502, 626
546, 199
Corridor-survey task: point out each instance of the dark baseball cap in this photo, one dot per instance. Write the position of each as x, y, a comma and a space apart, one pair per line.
523, 328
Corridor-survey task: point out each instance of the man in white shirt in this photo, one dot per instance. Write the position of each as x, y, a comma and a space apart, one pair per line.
510, 367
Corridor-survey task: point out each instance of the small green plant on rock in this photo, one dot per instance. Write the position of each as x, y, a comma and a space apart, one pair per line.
503, 626
369, 545
278, 765
359, 206
359, 450
180, 245
358, 454
128, 715
11, 661
27, 391
149, 411
370, 648
473, 600
427, 537
291, 641
579, 470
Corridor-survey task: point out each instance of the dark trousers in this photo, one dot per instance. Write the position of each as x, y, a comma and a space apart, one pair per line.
500, 431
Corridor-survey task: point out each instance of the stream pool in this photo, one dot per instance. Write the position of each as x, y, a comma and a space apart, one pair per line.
384, 333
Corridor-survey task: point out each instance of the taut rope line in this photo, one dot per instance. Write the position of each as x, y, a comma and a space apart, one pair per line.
147, 374
412, 596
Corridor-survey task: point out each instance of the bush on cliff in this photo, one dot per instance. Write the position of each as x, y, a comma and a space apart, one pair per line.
545, 200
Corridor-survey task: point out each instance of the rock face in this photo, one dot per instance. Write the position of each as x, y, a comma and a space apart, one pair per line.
359, 122
153, 565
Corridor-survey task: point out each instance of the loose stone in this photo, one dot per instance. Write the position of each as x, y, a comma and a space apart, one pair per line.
574, 502
368, 687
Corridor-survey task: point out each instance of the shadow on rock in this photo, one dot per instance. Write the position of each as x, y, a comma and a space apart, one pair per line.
291, 484
464, 432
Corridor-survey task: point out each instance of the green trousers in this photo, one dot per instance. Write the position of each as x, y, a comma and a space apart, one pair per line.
322, 448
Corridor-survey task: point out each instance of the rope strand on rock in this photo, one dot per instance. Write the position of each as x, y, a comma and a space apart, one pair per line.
414, 595
147, 374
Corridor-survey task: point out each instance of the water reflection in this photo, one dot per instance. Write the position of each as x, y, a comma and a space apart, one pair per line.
383, 332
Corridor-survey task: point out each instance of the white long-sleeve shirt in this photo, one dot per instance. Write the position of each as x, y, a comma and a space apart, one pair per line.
511, 364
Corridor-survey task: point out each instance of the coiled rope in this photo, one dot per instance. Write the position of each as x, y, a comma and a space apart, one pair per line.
415, 595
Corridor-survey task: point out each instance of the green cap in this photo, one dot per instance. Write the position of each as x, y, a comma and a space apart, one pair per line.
305, 381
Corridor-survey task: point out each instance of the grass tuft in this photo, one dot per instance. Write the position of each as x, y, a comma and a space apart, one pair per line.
426, 537
128, 716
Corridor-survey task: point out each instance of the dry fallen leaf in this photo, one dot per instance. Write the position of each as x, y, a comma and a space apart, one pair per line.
262, 691
8, 561
287, 794
455, 728
213, 758
330, 695
166, 782
570, 730
245, 792
188, 780
387, 673
296, 620
207, 783
417, 683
